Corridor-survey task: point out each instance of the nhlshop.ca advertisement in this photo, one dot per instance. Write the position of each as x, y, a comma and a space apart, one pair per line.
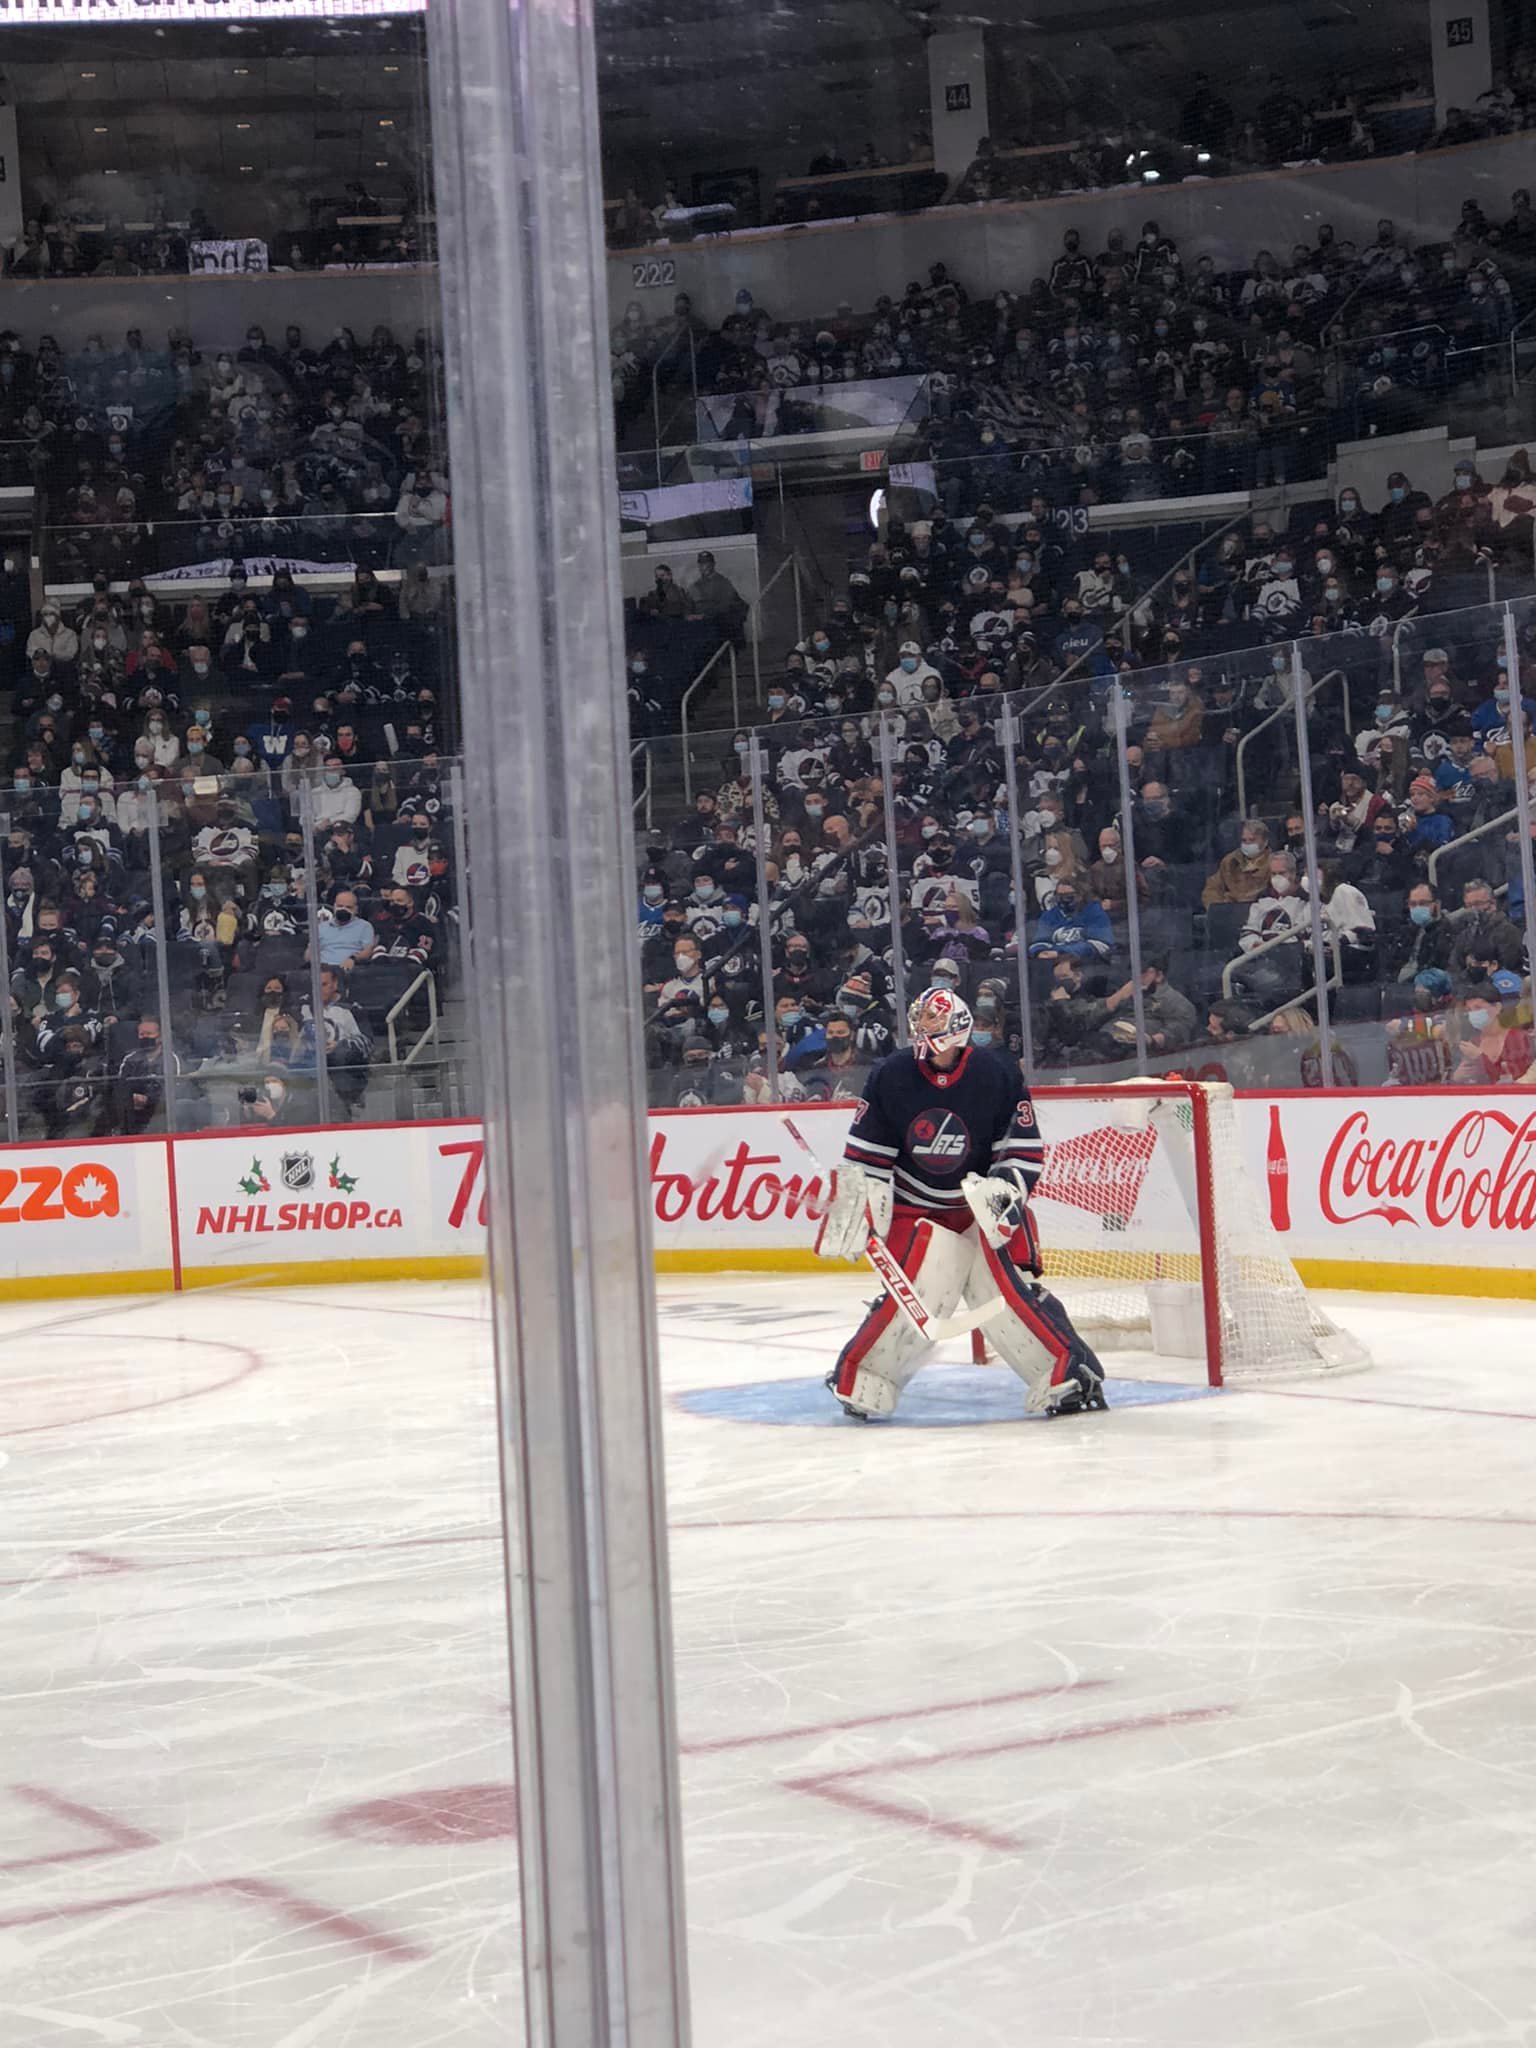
301, 1197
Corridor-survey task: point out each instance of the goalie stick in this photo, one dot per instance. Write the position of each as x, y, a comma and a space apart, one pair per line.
936, 1329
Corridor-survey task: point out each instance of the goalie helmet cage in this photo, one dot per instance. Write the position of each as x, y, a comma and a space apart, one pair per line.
1147, 1208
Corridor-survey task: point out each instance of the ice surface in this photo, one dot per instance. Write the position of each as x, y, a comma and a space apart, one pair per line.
1207, 1723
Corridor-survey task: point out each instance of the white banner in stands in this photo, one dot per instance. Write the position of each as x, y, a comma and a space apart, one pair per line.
227, 259
86, 1209
685, 501
833, 408
254, 565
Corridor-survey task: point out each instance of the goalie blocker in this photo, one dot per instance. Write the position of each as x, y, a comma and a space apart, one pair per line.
939, 1163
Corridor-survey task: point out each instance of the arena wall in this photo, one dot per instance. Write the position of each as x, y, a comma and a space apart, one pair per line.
1427, 1191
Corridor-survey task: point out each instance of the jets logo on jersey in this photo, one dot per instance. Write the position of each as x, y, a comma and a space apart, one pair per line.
938, 1138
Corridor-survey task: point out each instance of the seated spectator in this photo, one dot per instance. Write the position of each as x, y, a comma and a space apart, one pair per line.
1423, 824
1427, 940
1489, 1046
1481, 927
1068, 928
345, 937
348, 1045
1278, 922
338, 800
1241, 876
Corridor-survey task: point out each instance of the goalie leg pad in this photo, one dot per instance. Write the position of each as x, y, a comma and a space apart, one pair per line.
855, 1198
1036, 1337
885, 1351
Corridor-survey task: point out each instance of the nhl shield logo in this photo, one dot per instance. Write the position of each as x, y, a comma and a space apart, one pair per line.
298, 1171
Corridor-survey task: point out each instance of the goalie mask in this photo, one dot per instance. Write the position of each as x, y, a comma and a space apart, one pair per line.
938, 1022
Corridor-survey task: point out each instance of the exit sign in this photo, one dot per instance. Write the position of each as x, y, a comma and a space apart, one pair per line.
872, 458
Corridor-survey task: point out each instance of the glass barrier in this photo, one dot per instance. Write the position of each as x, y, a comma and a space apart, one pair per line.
199, 913
1209, 883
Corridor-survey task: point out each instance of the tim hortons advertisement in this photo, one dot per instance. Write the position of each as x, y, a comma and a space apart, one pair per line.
1432, 1178
83, 1209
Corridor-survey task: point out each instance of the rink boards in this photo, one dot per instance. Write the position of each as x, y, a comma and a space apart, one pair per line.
1400, 1189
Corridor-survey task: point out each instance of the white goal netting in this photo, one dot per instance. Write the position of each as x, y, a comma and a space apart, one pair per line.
1157, 1235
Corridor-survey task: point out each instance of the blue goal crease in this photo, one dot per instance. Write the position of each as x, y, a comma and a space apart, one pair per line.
940, 1397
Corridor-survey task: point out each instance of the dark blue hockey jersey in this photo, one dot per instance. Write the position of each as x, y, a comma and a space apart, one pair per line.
927, 1131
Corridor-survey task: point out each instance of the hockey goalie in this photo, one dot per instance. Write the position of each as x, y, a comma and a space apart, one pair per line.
934, 1187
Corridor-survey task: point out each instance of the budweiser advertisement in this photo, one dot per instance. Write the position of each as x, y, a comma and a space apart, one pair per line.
83, 1211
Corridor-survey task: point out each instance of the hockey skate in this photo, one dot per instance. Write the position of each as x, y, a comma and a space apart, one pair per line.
853, 1414
1082, 1386
1081, 1390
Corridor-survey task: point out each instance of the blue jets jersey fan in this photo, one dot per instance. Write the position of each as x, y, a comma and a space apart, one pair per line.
941, 1159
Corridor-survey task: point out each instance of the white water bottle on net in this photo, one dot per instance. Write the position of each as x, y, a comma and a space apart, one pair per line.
1158, 1238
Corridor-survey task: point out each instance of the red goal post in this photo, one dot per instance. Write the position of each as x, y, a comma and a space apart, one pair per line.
1157, 1237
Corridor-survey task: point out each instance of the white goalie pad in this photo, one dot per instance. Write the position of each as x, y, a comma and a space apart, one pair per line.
858, 1202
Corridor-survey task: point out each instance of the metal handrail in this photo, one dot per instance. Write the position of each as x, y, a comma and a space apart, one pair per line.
429, 1033
1294, 937
790, 562
643, 747
693, 355
725, 648
1285, 710
1167, 576
1477, 832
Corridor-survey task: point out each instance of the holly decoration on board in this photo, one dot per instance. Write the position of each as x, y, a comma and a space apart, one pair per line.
255, 1182
343, 1183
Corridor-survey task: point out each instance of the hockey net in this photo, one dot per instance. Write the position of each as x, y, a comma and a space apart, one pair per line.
1158, 1236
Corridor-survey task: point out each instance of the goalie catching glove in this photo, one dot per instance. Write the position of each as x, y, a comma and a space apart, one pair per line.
1001, 1208
859, 1203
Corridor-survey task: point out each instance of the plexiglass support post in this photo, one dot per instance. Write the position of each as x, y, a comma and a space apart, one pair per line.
758, 757
162, 966
1121, 703
312, 919
7, 1027
893, 873
1314, 872
1008, 732
557, 1005
1518, 736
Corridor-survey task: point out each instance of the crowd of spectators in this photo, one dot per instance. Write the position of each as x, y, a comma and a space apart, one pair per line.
1409, 751
155, 457
1129, 372
145, 737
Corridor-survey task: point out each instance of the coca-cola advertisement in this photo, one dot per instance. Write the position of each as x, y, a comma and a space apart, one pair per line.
1416, 1177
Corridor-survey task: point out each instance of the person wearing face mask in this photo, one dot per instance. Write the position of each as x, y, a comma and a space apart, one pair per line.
1244, 873
1425, 939
1481, 929
1396, 518
1072, 928
836, 1070
1279, 914
1492, 1043
51, 636
337, 798
1389, 721
912, 671
1490, 719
